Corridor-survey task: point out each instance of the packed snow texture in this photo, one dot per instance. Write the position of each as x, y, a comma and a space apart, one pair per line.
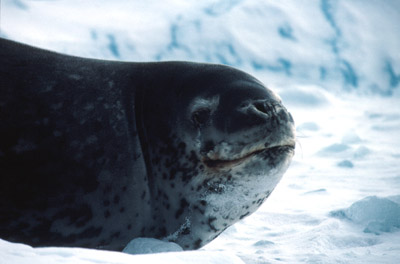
336, 65
23, 254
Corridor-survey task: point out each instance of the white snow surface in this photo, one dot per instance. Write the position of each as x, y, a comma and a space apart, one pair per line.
22, 254
336, 65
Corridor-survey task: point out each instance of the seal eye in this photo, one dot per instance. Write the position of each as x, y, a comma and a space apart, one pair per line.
201, 116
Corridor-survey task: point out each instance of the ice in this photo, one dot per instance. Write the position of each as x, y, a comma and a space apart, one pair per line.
336, 44
346, 164
351, 138
336, 66
375, 214
143, 245
334, 148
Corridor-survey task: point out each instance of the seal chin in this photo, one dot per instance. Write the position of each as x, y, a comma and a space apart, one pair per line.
224, 164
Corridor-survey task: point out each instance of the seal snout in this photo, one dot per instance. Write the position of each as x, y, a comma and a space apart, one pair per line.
265, 107
268, 110
262, 127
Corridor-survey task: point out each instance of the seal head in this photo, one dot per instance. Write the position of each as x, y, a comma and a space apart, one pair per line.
221, 143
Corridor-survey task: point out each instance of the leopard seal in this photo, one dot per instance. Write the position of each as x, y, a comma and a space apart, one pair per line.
94, 153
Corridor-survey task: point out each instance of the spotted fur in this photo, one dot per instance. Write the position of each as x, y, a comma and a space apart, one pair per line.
95, 153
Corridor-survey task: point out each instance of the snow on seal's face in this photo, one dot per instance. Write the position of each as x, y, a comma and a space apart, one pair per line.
220, 153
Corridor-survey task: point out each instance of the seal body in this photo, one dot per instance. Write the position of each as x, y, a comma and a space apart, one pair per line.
95, 153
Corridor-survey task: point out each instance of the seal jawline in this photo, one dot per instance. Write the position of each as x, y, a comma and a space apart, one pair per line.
226, 164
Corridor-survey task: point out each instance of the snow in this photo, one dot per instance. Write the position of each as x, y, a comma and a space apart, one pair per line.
335, 64
23, 254
299, 220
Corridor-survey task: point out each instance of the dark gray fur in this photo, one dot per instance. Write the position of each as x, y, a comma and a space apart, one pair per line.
94, 153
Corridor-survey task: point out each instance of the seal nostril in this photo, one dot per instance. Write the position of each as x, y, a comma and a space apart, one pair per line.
270, 110
260, 106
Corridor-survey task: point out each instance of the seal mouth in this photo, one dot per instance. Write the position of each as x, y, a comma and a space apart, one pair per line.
224, 163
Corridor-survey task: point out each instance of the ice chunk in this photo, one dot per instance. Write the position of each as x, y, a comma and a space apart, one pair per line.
334, 148
346, 164
263, 243
376, 214
143, 245
351, 138
310, 126
361, 152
